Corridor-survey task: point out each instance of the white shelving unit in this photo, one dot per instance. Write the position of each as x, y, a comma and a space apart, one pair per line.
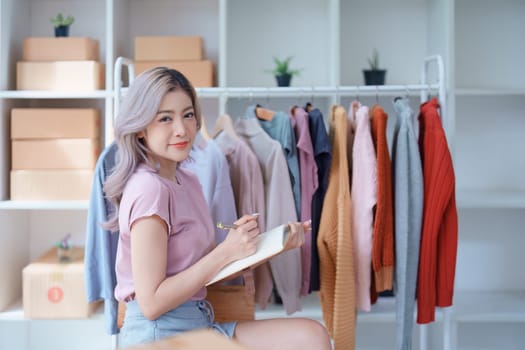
44, 205
481, 43
488, 91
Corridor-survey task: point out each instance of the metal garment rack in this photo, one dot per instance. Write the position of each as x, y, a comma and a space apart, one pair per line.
424, 89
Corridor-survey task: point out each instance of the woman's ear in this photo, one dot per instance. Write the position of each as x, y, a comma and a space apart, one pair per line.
141, 135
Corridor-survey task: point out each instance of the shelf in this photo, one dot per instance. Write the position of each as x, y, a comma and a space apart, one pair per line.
489, 92
47, 94
311, 308
491, 199
44, 205
467, 307
15, 312
489, 307
384, 311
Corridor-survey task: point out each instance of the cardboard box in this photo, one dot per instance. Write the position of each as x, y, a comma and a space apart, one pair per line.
193, 340
60, 76
231, 303
42, 185
60, 49
168, 48
52, 123
200, 73
55, 154
55, 290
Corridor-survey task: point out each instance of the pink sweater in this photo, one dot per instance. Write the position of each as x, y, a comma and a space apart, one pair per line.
309, 184
364, 198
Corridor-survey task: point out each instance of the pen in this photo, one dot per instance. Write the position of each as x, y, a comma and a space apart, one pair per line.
228, 227
224, 226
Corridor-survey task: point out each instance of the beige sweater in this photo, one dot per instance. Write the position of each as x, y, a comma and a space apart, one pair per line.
334, 243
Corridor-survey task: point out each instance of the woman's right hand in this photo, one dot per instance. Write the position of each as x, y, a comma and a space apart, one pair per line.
242, 240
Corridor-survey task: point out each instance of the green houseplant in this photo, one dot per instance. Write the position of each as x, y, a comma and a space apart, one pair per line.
64, 249
282, 72
62, 24
374, 75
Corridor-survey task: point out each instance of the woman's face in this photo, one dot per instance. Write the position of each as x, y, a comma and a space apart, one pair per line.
171, 133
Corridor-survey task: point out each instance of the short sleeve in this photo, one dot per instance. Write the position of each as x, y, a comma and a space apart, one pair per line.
146, 196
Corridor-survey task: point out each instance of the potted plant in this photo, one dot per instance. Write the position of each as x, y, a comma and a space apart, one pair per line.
374, 75
282, 72
62, 24
64, 249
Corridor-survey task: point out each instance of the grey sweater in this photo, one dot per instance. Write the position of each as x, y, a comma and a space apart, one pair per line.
408, 203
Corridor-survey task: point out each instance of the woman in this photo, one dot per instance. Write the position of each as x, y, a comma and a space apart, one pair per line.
167, 250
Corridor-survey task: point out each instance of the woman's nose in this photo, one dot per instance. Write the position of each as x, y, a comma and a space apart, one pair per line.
179, 128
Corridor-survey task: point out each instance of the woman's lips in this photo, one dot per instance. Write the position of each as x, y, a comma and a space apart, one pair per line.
180, 144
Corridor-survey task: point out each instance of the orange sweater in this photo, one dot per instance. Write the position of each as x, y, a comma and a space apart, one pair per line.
383, 235
334, 243
439, 235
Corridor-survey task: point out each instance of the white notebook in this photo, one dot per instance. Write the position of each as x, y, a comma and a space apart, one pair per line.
270, 244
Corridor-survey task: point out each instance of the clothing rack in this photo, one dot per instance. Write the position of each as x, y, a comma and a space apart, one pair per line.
424, 89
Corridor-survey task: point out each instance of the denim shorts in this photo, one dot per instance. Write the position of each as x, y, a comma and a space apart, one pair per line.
191, 315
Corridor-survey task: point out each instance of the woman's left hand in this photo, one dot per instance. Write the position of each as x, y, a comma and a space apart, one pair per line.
296, 236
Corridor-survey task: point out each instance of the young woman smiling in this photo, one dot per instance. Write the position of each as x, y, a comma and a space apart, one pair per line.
167, 251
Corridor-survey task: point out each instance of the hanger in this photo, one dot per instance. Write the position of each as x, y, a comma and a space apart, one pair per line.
204, 129
224, 123
249, 103
264, 113
308, 107
292, 110
354, 106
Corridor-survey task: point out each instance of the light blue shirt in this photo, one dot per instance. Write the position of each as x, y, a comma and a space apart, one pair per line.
101, 245
212, 169
280, 129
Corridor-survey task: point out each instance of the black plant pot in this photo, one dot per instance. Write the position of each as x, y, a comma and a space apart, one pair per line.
61, 31
374, 77
283, 80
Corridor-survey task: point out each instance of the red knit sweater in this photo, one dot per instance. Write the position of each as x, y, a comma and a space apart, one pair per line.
383, 235
439, 235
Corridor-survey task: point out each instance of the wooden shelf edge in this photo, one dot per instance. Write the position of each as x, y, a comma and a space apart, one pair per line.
50, 94
44, 205
15, 312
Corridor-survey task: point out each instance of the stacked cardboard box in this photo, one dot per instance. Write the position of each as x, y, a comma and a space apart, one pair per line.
63, 64
53, 152
183, 53
54, 289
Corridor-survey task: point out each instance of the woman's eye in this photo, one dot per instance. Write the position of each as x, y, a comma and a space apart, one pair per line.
189, 115
165, 118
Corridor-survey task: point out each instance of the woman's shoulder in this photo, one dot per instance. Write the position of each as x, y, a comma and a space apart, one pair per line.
145, 179
188, 177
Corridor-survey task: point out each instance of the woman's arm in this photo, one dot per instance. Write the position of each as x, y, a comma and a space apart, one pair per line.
157, 294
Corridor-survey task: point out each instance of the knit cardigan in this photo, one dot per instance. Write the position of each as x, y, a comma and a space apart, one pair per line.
334, 243
408, 202
383, 236
363, 193
439, 235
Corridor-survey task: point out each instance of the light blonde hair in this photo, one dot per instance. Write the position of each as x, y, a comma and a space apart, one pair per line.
138, 110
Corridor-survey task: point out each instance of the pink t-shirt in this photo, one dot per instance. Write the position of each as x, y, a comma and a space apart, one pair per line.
181, 205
